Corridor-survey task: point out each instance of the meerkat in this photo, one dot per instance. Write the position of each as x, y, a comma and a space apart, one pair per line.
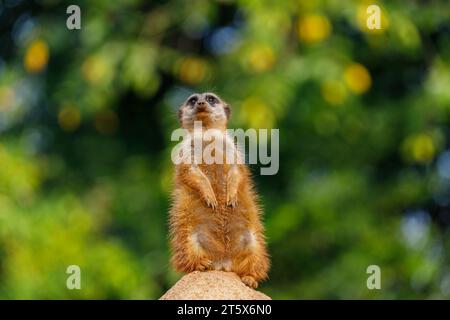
215, 219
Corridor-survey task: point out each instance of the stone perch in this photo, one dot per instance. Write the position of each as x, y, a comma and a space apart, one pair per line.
212, 285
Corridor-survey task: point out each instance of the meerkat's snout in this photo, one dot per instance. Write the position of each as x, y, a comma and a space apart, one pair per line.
201, 106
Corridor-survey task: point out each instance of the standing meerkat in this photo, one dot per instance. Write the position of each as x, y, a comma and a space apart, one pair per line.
215, 220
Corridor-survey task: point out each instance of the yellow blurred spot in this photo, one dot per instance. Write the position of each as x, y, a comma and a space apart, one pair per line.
193, 70
106, 122
36, 56
69, 118
7, 98
333, 92
94, 69
257, 114
357, 78
419, 148
261, 58
313, 28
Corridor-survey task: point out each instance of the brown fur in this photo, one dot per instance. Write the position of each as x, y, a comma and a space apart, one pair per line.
215, 218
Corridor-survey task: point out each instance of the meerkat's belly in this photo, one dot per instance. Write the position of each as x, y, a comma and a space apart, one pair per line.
222, 232
222, 238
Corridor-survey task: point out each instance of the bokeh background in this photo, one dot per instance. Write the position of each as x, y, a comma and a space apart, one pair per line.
86, 117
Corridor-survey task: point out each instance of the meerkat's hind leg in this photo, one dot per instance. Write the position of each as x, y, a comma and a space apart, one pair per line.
250, 281
188, 253
203, 263
251, 262
187, 261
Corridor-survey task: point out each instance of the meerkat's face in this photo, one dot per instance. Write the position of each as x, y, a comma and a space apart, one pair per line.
205, 107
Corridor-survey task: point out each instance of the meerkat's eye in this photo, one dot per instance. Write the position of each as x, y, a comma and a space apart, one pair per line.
192, 101
211, 99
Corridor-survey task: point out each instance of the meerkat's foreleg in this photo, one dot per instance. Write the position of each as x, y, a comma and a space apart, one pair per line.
233, 182
197, 180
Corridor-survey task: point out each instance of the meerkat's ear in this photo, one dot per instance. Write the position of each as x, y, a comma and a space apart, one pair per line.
227, 109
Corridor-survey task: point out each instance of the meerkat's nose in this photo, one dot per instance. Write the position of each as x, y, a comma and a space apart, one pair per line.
201, 105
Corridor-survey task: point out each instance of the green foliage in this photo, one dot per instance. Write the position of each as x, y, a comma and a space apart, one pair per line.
86, 117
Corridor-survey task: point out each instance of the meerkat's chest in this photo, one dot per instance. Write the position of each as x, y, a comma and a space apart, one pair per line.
217, 151
217, 176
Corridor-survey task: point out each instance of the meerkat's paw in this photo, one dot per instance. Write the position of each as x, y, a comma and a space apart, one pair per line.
210, 199
211, 202
250, 281
204, 264
232, 199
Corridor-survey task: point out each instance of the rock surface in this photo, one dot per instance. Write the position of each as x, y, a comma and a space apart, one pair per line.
212, 285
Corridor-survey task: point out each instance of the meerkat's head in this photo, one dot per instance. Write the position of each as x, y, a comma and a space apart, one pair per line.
206, 107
